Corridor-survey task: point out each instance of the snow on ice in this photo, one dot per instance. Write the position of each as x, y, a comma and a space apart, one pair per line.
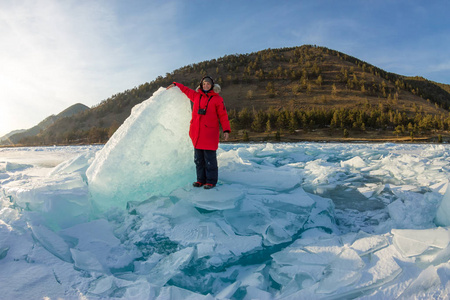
286, 221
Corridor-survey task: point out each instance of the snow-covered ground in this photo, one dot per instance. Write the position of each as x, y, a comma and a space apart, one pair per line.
287, 221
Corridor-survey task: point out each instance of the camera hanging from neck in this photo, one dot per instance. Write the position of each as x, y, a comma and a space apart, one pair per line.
202, 111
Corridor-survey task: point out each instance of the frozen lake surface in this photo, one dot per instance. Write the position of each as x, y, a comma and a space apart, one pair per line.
268, 231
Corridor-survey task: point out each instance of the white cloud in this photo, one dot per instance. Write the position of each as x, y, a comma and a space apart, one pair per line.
57, 53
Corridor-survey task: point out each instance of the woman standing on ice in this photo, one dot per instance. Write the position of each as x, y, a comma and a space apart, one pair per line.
204, 131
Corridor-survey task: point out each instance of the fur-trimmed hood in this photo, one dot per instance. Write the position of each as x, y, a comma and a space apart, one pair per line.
216, 88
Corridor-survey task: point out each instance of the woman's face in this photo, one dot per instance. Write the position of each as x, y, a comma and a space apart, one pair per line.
206, 85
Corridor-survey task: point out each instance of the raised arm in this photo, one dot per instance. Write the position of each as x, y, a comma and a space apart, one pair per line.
190, 93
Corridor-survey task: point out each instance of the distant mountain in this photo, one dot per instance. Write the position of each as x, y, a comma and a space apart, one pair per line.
6, 136
283, 90
15, 137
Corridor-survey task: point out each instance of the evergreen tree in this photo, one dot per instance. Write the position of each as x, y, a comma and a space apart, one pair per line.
245, 137
293, 123
268, 126
245, 118
259, 121
333, 90
346, 134
270, 89
319, 80
278, 135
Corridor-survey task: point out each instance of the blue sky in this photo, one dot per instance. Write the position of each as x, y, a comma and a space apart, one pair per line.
55, 53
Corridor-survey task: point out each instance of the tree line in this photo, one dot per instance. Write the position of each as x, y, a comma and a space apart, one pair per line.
287, 121
368, 117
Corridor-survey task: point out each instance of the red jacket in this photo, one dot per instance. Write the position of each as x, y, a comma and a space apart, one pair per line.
204, 130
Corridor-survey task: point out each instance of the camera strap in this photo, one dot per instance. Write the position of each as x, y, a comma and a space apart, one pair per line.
200, 100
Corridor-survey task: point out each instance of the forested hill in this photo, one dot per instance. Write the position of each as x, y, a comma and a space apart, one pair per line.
33, 134
284, 93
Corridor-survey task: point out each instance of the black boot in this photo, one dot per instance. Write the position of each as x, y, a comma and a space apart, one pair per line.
208, 186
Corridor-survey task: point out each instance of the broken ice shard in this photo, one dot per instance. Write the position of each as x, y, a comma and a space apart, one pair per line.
150, 154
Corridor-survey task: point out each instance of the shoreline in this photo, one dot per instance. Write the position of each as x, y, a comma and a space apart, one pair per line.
314, 136
281, 141
336, 136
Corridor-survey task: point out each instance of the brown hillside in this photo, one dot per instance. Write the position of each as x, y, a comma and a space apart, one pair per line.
301, 78
289, 91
